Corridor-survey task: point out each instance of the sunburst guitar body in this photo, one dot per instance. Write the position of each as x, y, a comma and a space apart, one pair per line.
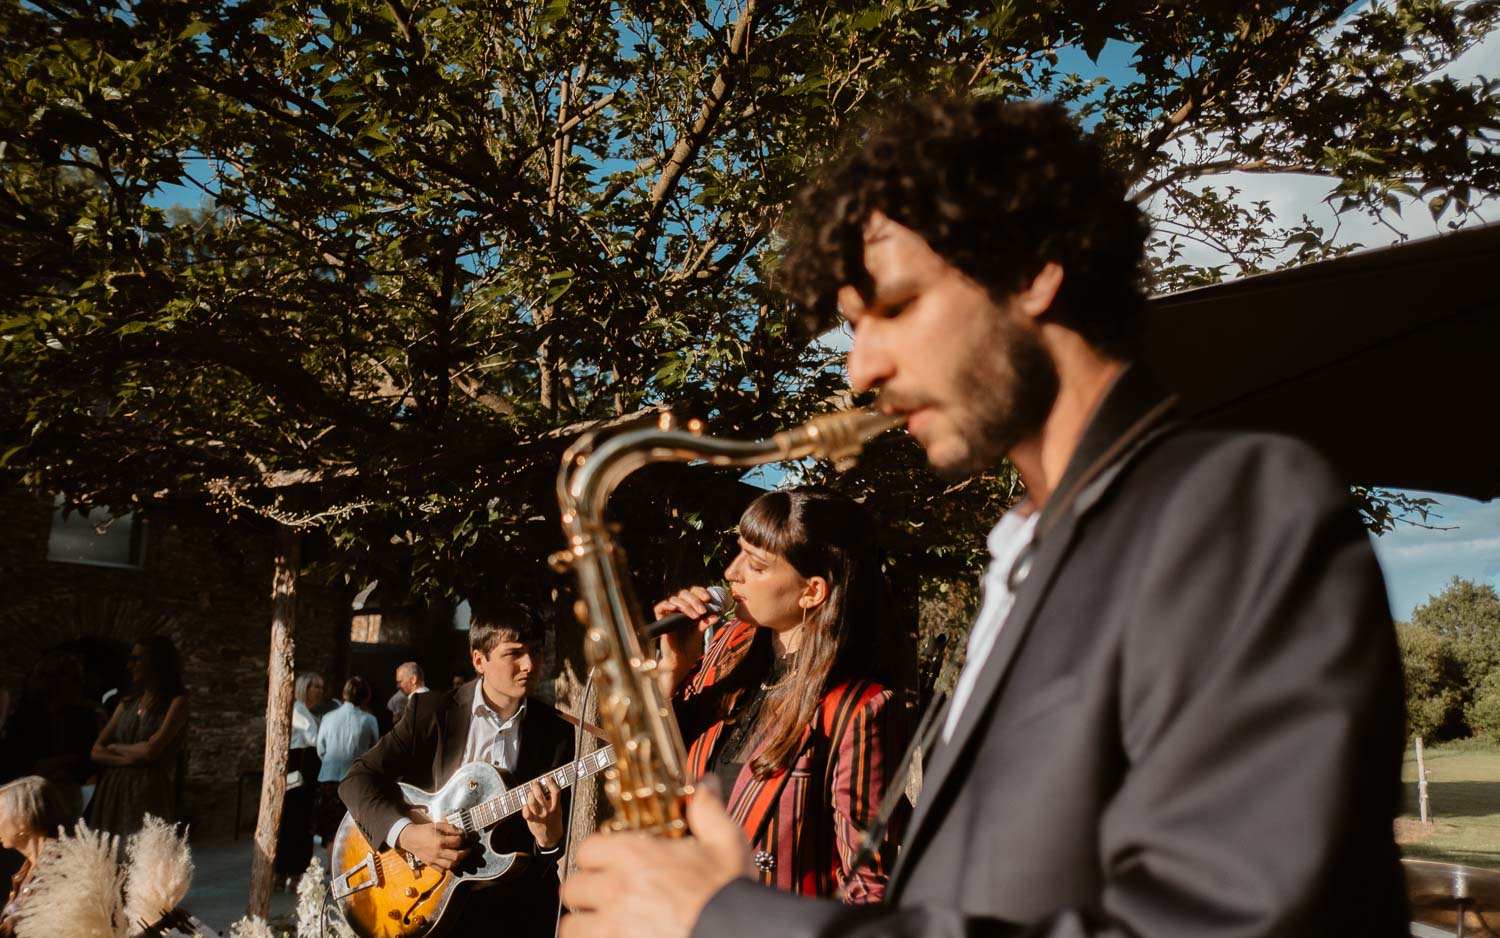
391, 894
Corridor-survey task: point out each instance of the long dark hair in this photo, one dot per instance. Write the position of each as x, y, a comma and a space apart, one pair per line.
852, 634
163, 671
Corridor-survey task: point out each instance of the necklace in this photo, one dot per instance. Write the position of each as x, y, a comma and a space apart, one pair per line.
780, 670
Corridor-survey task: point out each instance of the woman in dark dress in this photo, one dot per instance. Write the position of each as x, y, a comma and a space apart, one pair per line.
139, 747
791, 705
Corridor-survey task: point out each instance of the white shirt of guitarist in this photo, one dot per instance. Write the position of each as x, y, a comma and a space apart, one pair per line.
491, 740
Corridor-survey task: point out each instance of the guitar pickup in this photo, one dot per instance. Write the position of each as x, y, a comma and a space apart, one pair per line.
361, 876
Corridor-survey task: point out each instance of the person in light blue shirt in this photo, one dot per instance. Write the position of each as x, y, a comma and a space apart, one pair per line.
343, 736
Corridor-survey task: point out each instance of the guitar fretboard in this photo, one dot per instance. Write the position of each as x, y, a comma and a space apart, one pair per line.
488, 813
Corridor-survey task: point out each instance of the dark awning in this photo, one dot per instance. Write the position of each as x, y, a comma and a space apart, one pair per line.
1385, 359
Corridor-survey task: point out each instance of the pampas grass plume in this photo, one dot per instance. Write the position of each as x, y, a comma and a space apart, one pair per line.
251, 926
76, 889
311, 911
161, 869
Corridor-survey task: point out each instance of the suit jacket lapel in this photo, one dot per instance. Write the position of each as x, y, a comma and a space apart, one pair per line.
752, 799
1044, 566
1131, 413
455, 731
535, 756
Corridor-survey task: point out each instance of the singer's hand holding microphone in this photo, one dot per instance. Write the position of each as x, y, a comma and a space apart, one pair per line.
681, 620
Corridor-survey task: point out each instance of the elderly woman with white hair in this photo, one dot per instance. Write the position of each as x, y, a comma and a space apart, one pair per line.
294, 842
32, 810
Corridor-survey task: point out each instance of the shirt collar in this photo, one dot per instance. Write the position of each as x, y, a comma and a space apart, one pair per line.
1010, 533
483, 709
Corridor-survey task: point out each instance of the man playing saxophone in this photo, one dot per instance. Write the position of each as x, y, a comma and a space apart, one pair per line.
1180, 713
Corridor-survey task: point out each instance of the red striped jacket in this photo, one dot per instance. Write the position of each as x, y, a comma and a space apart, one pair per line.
806, 821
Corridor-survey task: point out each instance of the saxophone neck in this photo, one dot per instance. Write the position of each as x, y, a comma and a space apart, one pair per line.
590, 474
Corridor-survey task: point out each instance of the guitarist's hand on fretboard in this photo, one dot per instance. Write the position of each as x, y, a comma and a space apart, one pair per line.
541, 812
439, 845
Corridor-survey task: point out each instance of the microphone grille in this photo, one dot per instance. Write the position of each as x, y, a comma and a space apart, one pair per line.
719, 599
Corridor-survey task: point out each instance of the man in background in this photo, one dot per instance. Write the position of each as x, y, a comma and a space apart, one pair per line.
410, 679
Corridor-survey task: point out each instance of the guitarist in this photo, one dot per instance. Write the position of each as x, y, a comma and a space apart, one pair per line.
490, 719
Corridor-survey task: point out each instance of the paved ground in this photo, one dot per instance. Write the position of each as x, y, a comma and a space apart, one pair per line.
221, 883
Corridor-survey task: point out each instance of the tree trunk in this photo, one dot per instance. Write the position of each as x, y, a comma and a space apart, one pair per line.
278, 716
1422, 786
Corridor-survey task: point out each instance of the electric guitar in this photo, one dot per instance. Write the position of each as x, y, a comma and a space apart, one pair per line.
391, 894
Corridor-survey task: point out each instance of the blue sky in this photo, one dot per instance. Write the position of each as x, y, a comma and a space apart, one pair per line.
1419, 562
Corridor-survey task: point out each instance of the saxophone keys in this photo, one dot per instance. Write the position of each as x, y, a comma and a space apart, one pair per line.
560, 561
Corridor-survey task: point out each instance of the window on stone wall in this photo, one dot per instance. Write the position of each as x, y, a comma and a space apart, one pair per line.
365, 627
96, 538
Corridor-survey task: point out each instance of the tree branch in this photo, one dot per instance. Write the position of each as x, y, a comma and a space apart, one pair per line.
1216, 167
687, 145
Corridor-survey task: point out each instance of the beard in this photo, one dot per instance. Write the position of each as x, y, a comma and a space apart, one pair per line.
1009, 384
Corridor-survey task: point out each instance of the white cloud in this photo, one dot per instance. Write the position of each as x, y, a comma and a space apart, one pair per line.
1453, 549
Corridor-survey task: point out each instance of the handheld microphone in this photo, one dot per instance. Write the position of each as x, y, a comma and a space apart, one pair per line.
718, 601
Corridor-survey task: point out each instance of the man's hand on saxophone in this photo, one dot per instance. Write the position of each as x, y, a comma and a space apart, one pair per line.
654, 887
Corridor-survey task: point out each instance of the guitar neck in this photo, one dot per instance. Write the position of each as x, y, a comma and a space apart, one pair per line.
487, 814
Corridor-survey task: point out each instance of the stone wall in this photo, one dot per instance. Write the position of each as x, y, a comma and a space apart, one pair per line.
206, 582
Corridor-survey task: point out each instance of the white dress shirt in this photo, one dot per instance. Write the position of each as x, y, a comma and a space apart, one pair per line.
492, 739
304, 727
1006, 540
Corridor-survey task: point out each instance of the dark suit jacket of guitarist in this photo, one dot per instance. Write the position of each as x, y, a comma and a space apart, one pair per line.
424, 749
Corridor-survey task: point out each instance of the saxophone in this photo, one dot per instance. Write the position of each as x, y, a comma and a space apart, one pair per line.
648, 786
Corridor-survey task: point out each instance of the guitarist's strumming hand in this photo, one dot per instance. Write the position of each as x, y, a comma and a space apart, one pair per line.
439, 844
541, 813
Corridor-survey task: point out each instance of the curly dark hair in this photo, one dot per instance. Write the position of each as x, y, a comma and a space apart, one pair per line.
997, 188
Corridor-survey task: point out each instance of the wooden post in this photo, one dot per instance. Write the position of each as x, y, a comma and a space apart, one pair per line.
1422, 786
589, 804
278, 716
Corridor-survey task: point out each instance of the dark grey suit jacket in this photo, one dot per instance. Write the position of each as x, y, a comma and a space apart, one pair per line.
1190, 725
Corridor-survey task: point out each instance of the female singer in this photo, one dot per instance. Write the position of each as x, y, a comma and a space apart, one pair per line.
791, 704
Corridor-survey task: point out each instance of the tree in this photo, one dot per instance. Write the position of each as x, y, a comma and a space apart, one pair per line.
437, 233
1484, 714
1466, 617
437, 240
1434, 682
